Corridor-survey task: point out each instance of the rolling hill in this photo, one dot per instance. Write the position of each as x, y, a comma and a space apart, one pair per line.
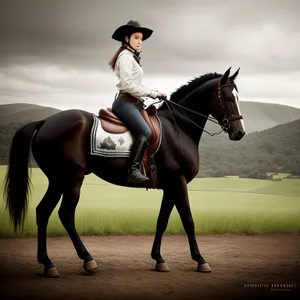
260, 116
257, 116
273, 144
24, 113
271, 150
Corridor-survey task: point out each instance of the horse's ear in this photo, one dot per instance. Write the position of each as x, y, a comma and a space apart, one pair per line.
225, 76
235, 74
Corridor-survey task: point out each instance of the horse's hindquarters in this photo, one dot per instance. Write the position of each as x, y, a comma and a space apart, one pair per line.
63, 142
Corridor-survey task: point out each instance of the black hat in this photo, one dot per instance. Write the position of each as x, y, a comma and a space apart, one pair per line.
131, 27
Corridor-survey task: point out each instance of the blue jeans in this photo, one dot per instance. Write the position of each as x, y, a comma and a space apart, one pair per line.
129, 114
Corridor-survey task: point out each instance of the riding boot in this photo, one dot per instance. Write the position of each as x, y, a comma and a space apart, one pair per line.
137, 152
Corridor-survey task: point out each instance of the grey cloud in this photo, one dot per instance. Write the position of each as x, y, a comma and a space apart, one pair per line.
190, 36
39, 80
261, 38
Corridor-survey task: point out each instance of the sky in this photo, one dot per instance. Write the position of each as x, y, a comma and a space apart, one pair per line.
55, 53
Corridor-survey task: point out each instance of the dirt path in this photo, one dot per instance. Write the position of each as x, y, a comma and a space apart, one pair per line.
125, 269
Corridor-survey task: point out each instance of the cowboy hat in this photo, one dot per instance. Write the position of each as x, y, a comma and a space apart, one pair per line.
131, 27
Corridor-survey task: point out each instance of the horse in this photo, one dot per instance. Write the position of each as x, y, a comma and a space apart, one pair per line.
60, 144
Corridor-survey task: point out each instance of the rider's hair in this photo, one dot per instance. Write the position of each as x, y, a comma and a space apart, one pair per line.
113, 60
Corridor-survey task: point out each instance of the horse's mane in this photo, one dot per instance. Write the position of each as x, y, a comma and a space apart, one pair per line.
185, 89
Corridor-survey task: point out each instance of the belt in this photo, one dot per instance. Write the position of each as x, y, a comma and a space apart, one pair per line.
130, 98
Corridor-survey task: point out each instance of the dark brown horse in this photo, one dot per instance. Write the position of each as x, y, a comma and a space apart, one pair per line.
60, 147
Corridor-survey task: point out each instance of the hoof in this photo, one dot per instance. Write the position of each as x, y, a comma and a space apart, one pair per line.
162, 267
51, 273
90, 266
204, 268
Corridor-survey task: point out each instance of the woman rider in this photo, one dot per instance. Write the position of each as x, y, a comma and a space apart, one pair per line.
129, 101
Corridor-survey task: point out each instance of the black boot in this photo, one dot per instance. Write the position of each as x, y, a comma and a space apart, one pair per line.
137, 153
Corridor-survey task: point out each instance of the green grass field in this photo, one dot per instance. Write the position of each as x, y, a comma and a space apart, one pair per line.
219, 205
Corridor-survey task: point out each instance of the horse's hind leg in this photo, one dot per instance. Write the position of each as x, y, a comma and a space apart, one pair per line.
67, 214
43, 212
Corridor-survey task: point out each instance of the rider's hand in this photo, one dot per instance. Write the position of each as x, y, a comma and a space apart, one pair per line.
161, 96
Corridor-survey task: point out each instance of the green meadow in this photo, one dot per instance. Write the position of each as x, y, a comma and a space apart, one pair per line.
219, 206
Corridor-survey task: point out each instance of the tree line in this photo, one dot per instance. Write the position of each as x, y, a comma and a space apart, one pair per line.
272, 150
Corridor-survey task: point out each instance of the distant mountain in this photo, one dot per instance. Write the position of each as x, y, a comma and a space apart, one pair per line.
24, 113
12, 117
259, 116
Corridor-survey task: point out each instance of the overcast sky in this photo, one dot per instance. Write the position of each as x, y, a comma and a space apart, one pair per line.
56, 53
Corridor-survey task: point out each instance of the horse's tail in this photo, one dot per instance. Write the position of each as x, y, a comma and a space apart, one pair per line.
17, 181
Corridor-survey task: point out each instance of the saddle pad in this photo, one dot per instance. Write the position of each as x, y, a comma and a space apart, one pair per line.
109, 144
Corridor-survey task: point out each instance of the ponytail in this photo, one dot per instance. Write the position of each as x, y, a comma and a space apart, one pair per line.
112, 62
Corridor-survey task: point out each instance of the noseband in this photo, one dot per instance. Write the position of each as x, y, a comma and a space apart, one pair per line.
225, 121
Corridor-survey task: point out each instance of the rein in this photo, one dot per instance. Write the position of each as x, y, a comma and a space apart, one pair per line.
189, 119
226, 120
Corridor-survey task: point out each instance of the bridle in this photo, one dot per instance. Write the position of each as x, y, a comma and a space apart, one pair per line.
225, 121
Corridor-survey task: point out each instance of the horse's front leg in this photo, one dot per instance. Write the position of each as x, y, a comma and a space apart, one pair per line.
183, 206
162, 222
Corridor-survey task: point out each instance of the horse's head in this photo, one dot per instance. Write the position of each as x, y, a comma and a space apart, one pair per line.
225, 107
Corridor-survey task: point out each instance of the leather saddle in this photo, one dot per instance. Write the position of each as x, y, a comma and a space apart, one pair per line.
112, 124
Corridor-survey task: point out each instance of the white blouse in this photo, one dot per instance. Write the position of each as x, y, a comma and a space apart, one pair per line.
130, 75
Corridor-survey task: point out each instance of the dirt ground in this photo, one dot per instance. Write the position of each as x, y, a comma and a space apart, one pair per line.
243, 267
